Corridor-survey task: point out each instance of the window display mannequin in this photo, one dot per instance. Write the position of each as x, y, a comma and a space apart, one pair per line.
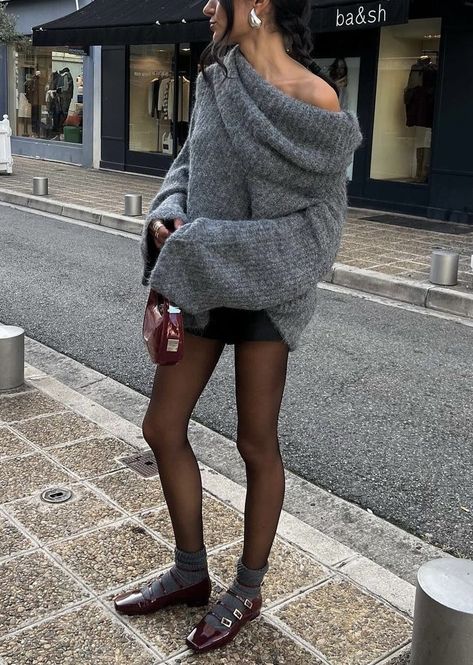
24, 112
35, 98
338, 72
53, 104
419, 97
66, 92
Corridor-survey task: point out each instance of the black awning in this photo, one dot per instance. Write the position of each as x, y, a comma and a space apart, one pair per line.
118, 22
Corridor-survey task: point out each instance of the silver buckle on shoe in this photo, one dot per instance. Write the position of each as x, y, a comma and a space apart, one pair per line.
248, 603
226, 622
237, 613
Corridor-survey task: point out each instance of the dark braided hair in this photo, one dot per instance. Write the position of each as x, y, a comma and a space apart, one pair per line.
291, 19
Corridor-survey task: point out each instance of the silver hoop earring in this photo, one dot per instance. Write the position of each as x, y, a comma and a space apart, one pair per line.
254, 20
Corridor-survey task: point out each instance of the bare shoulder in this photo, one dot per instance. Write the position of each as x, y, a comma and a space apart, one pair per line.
317, 92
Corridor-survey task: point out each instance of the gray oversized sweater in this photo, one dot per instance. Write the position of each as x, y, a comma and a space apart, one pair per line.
260, 184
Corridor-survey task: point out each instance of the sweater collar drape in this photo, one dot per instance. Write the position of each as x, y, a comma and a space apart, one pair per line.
278, 137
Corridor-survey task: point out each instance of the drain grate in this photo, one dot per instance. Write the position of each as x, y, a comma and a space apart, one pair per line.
144, 464
56, 495
422, 224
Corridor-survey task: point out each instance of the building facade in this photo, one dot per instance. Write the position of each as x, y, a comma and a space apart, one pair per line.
402, 65
50, 92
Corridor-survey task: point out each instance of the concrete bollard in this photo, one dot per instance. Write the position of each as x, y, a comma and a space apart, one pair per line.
133, 205
12, 357
444, 267
443, 614
40, 186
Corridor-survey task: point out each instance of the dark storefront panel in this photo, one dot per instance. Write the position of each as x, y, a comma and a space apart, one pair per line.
451, 194
114, 60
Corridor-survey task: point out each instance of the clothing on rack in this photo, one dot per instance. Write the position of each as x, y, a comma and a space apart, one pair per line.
153, 97
419, 94
165, 98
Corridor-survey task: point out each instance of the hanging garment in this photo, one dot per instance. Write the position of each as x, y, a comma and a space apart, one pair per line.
419, 95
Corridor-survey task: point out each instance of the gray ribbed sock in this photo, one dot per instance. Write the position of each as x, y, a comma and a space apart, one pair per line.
189, 568
247, 584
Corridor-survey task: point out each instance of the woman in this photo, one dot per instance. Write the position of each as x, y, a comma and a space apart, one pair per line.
246, 223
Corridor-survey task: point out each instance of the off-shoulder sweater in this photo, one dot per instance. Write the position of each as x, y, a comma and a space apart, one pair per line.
260, 184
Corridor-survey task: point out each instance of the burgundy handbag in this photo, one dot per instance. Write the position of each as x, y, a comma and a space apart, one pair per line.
163, 330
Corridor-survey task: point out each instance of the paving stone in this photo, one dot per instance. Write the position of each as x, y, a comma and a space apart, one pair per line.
405, 659
113, 556
257, 643
26, 405
93, 456
289, 570
61, 428
22, 476
131, 491
80, 637
222, 524
11, 540
346, 625
11, 444
51, 521
31, 587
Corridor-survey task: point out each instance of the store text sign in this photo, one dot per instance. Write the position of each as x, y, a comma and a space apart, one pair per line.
360, 15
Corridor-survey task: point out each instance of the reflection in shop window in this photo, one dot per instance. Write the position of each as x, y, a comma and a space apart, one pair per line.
152, 98
48, 94
405, 96
345, 73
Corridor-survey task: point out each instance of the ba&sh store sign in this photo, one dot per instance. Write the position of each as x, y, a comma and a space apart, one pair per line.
360, 15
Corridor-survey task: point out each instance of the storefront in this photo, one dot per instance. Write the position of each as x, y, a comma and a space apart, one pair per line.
48, 89
402, 66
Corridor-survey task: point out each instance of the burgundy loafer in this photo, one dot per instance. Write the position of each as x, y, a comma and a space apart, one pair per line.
153, 596
205, 637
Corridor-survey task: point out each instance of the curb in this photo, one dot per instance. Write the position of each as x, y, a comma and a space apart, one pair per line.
421, 294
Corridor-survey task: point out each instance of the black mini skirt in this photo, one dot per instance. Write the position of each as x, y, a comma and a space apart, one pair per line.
238, 325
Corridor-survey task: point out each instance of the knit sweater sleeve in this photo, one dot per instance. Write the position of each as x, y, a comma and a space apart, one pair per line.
248, 264
169, 203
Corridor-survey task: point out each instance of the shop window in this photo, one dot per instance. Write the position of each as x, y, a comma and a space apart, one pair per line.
48, 86
152, 98
405, 95
345, 72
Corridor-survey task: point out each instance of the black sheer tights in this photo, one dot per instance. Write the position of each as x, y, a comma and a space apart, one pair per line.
260, 375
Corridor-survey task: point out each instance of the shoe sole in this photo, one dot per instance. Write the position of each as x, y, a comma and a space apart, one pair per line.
224, 640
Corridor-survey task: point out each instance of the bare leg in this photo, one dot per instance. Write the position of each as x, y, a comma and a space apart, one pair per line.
176, 390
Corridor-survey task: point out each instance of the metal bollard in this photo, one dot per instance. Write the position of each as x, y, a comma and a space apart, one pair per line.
443, 614
40, 186
444, 267
12, 357
133, 205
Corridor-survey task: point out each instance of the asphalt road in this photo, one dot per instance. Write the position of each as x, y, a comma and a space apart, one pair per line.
378, 408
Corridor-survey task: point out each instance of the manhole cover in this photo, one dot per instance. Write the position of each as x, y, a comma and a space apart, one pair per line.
144, 464
56, 495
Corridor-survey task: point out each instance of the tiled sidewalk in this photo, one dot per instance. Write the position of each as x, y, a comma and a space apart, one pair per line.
61, 564
384, 248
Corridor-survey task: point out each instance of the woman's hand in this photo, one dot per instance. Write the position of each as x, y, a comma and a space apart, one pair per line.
161, 233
